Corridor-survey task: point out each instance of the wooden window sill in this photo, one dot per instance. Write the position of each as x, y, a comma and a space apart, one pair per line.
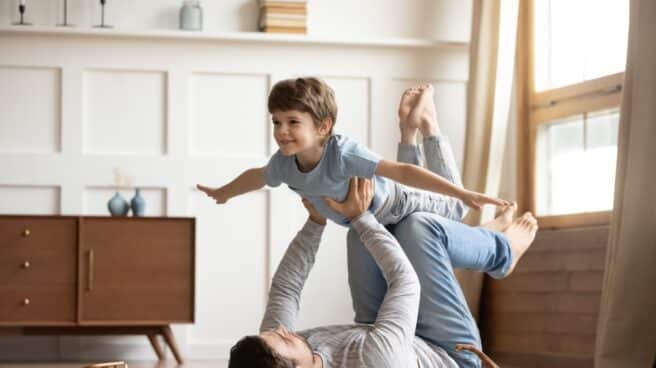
575, 220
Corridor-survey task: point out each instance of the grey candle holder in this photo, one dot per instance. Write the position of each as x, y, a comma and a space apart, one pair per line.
102, 16
22, 22
65, 23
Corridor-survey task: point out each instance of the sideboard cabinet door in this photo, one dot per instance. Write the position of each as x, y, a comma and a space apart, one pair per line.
136, 270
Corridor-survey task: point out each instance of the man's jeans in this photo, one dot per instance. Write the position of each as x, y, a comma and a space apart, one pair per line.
435, 246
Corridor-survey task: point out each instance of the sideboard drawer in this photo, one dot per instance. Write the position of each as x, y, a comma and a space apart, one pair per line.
37, 251
43, 304
39, 268
38, 234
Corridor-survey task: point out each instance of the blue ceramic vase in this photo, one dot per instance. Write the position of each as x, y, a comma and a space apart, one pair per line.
138, 204
118, 206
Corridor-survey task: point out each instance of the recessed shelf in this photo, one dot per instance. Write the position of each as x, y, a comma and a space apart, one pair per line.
254, 37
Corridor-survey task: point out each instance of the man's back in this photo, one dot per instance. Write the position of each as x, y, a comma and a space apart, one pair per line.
343, 346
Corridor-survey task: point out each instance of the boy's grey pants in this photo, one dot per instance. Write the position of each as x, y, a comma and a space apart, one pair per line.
403, 200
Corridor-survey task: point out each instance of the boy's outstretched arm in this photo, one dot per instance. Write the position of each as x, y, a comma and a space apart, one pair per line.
421, 178
248, 181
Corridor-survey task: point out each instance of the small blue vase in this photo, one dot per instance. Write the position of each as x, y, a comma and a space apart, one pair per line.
138, 204
118, 206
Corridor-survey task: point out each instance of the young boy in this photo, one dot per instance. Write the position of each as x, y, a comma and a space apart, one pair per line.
318, 165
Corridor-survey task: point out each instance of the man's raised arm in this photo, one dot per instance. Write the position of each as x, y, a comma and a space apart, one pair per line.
289, 279
388, 343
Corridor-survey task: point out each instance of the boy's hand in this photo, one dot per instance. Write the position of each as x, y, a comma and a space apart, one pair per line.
358, 199
315, 216
476, 200
216, 193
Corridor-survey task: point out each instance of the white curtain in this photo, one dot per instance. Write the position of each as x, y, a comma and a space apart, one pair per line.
492, 61
626, 333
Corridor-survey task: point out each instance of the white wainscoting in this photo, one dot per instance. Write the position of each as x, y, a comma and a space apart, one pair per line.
174, 112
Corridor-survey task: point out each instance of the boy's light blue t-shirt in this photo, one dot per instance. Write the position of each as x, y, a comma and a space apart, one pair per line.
342, 159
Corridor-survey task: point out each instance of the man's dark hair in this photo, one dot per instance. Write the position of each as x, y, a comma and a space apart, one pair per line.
253, 352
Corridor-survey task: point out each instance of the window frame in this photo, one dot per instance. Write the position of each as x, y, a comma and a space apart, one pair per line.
538, 108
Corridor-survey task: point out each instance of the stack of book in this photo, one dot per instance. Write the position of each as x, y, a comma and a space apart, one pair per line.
283, 16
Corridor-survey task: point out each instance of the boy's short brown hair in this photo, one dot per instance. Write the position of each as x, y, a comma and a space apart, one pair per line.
308, 94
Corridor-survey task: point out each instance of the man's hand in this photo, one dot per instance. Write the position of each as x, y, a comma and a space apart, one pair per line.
358, 200
315, 216
218, 194
476, 200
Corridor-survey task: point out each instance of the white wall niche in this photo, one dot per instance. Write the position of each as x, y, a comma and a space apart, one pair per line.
29, 200
30, 111
353, 95
125, 111
228, 114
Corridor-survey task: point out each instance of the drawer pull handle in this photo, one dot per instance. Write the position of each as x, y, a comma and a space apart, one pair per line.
26, 233
26, 301
26, 264
90, 271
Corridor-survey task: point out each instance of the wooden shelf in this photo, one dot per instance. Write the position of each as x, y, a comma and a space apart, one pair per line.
250, 37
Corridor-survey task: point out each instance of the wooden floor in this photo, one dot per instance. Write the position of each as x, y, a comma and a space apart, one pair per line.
135, 364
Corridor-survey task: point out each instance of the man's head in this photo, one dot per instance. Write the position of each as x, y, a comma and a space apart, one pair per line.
277, 348
309, 98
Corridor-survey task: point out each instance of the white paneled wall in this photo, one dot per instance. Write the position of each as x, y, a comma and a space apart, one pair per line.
175, 112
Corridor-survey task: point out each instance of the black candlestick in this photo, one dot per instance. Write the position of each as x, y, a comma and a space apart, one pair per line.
65, 24
21, 10
102, 16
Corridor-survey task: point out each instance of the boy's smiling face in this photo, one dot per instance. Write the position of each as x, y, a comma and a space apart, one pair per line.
295, 132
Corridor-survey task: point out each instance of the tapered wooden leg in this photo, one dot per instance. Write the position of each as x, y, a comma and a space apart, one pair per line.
170, 340
156, 347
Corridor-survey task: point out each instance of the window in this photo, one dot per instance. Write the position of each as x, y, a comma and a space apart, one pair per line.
576, 41
576, 163
576, 52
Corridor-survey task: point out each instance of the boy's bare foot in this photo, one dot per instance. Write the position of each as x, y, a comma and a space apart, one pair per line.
428, 117
423, 114
521, 234
408, 128
503, 220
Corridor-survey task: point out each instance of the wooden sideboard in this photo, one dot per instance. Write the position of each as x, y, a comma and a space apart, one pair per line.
97, 275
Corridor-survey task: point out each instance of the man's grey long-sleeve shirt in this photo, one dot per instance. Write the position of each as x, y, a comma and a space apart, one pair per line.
391, 340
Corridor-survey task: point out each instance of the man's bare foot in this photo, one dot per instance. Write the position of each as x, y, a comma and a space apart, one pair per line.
503, 220
521, 234
408, 128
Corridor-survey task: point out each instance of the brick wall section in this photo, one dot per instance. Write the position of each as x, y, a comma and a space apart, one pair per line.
545, 313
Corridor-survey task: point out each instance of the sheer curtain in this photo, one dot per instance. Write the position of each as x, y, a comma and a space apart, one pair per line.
626, 332
492, 61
